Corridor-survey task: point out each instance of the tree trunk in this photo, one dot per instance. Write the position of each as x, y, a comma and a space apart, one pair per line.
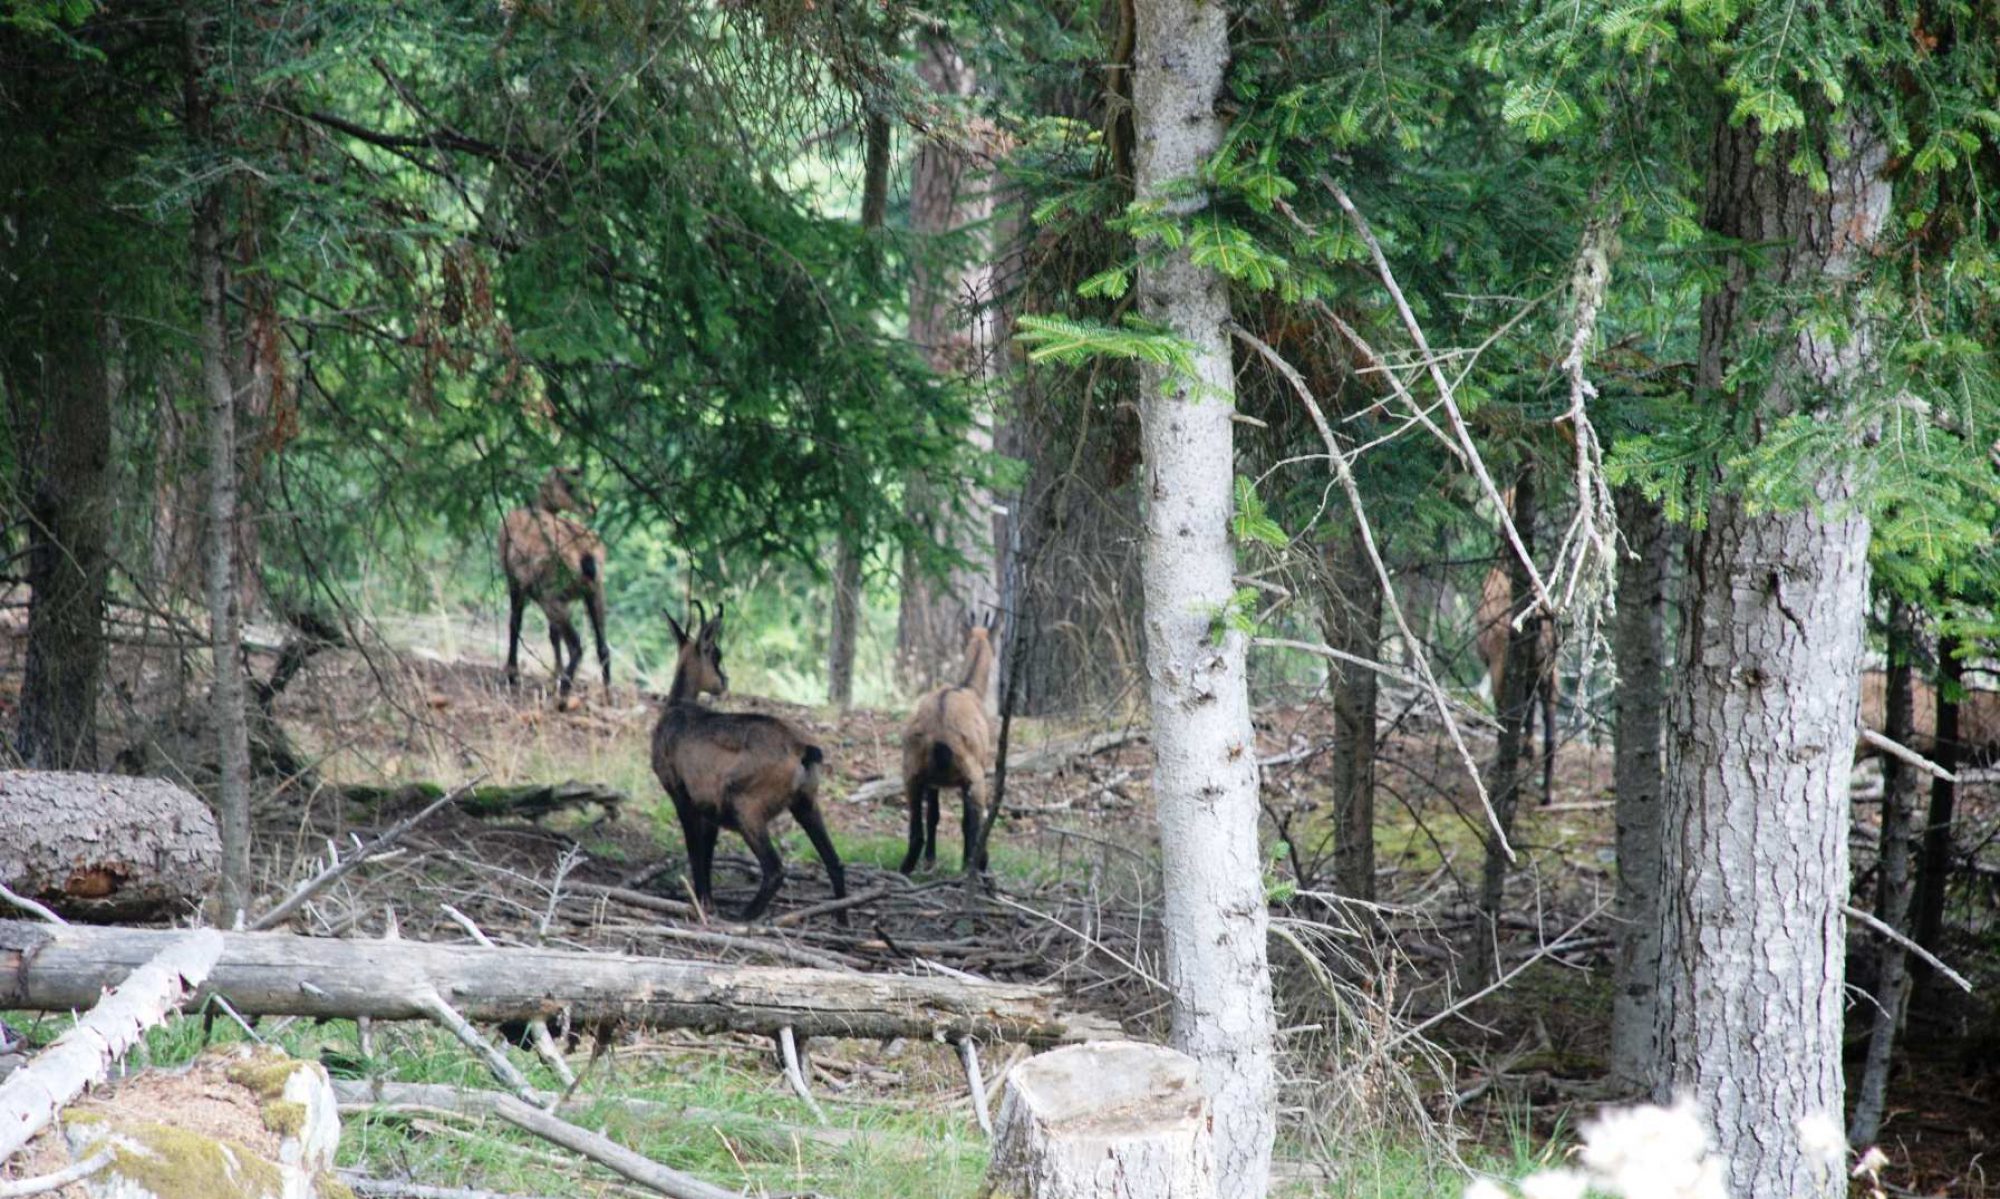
1892, 902
1639, 647
1763, 716
1113, 1120
1205, 751
232, 799
1353, 620
63, 417
1515, 702
104, 847
56, 968
1934, 875
844, 636
952, 320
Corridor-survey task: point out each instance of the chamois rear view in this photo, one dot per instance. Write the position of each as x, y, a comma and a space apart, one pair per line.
734, 770
554, 561
948, 742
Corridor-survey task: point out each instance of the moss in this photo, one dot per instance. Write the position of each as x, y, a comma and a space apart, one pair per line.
174, 1161
284, 1117
329, 1187
263, 1074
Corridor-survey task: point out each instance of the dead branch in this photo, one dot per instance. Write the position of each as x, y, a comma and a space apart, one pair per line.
339, 868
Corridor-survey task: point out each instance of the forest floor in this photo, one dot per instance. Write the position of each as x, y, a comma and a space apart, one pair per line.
1500, 1084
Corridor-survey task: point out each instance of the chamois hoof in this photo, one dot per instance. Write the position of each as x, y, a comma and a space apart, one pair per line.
569, 703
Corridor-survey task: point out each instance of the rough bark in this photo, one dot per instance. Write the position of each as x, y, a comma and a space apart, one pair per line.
105, 847
142, 997
1763, 716
1934, 874
1352, 617
952, 319
1116, 1120
1893, 891
56, 968
1205, 754
226, 696
1516, 705
1639, 648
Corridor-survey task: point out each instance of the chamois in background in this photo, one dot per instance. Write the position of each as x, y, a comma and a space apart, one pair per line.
554, 561
948, 742
734, 770
1495, 622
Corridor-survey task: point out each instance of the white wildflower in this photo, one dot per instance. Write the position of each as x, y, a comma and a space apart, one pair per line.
1820, 1136
1485, 1188
1651, 1152
1555, 1184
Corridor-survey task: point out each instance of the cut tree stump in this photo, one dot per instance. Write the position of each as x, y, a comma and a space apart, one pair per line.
106, 847
1113, 1120
56, 968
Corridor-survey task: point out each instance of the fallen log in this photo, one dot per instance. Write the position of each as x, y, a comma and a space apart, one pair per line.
145, 992
56, 968
1052, 756
105, 847
528, 801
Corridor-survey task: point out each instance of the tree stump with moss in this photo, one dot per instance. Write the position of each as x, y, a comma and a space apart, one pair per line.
1106, 1120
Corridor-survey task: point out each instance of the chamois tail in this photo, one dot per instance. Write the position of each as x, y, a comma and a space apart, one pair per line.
940, 759
588, 565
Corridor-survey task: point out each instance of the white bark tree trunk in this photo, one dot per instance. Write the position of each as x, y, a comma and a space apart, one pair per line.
1639, 644
1205, 769
1112, 1120
1763, 717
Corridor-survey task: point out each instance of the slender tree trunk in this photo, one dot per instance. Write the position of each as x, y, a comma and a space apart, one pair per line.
1205, 768
1353, 619
842, 640
64, 424
1934, 875
1762, 722
1516, 704
952, 321
224, 616
1893, 891
1639, 646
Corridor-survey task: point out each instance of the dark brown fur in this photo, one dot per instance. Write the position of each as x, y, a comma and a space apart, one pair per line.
734, 770
948, 742
554, 561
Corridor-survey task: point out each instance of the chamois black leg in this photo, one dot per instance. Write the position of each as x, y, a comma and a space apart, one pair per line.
594, 605
574, 640
915, 796
930, 826
806, 811
773, 867
556, 653
971, 805
700, 829
517, 602
1548, 698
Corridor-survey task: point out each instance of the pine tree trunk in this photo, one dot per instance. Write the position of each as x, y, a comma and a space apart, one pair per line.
1893, 890
63, 424
1934, 874
232, 800
1639, 646
1353, 620
1516, 704
1763, 716
843, 638
1205, 767
952, 320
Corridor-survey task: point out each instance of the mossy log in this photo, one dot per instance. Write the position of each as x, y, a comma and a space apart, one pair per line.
530, 801
51, 968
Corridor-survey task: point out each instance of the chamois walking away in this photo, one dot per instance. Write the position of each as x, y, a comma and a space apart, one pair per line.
1495, 621
734, 770
554, 561
949, 743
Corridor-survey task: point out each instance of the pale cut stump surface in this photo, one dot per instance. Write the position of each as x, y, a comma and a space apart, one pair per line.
1106, 1120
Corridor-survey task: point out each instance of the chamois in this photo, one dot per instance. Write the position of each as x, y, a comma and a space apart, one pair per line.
948, 742
734, 770
1494, 618
554, 561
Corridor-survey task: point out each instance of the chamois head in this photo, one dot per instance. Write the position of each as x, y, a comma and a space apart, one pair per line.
563, 491
699, 670
979, 650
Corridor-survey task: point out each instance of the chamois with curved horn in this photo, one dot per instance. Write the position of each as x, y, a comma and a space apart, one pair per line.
948, 742
555, 561
736, 770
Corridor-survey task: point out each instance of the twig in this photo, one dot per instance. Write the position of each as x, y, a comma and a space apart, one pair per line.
19, 1188
496, 1060
1869, 919
788, 1048
336, 871
968, 1053
538, 1031
377, 1188
30, 906
1903, 753
1553, 947
790, 919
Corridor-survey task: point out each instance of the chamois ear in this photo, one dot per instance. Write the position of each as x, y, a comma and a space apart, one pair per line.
715, 626
680, 634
